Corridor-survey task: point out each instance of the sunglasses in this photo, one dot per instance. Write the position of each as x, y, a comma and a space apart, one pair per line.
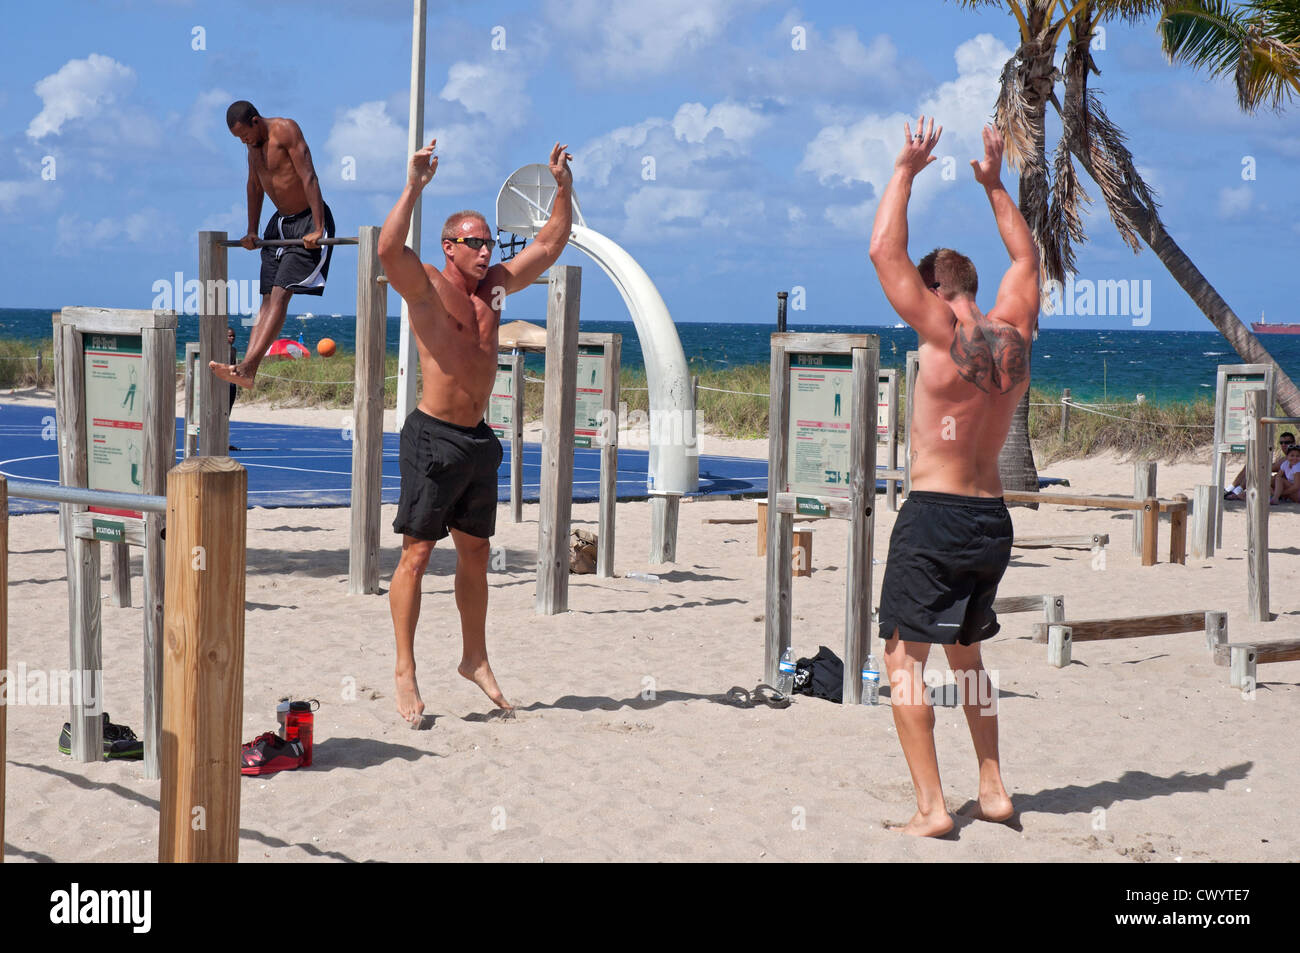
476, 243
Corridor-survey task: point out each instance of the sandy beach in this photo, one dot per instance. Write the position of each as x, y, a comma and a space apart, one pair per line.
625, 746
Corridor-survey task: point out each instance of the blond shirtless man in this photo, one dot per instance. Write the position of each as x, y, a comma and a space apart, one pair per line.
449, 455
952, 541
280, 167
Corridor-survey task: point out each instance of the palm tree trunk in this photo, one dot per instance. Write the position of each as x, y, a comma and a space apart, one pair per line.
1202, 293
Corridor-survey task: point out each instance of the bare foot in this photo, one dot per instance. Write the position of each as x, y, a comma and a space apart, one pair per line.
231, 373
923, 825
481, 675
993, 807
409, 704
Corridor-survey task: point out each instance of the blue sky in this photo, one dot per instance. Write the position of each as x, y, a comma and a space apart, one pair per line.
768, 160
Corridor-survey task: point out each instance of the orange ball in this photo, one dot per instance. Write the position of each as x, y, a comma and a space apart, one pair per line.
325, 347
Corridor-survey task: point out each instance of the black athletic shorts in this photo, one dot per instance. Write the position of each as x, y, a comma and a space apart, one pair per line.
947, 555
302, 270
449, 478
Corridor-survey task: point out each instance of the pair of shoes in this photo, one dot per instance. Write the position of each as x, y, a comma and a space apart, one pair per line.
761, 695
120, 742
268, 753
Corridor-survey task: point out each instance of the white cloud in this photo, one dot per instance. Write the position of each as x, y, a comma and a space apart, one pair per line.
598, 158
1236, 202
148, 226
849, 153
206, 120
630, 38
79, 90
736, 122
658, 212
488, 90
372, 138
13, 191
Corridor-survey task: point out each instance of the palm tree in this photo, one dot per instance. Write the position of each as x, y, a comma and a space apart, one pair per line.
1258, 42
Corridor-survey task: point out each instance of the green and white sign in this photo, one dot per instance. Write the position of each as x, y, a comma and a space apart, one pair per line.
501, 405
590, 395
819, 438
114, 413
1236, 386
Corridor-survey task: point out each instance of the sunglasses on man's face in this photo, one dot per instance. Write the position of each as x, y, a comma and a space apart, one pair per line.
476, 243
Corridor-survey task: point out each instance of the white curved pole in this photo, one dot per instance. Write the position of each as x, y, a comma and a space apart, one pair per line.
674, 448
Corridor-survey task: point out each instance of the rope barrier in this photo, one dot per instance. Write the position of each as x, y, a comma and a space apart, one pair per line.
1134, 420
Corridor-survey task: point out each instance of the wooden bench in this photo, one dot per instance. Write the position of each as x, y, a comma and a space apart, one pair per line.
1059, 636
1150, 510
1242, 657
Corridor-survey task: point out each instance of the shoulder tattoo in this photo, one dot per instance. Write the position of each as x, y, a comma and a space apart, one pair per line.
993, 357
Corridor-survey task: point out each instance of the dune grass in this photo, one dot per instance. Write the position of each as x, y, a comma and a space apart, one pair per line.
18, 365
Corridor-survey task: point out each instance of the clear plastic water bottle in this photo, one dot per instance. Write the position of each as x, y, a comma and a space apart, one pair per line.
871, 681
642, 576
785, 672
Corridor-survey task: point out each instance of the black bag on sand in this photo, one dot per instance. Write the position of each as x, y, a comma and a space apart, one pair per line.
821, 676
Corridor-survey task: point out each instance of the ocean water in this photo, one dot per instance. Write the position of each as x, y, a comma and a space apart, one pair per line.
1166, 366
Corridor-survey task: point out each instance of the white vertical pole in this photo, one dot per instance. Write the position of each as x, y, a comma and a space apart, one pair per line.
406, 376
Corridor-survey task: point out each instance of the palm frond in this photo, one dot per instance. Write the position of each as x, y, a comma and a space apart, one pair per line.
1114, 171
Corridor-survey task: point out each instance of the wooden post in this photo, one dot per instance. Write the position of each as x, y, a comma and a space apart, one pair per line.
119, 575
1241, 672
862, 468
556, 495
214, 408
1065, 414
913, 371
1203, 508
203, 685
4, 646
1150, 523
1058, 645
1258, 491
158, 346
608, 459
368, 417
1054, 608
193, 381
664, 507
777, 613
517, 439
1216, 630
1144, 486
762, 527
65, 510
1178, 531
84, 648
801, 553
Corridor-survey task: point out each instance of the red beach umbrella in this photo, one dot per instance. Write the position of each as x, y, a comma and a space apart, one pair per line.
287, 349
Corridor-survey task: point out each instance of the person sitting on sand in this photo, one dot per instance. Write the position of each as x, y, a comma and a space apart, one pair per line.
449, 455
1238, 491
951, 543
279, 165
1286, 483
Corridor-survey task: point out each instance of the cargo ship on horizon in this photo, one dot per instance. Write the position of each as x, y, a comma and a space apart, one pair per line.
1263, 327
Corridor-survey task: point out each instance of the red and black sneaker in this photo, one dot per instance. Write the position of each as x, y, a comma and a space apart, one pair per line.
268, 753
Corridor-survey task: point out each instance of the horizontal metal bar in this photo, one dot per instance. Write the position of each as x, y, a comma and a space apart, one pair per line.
287, 242
1279, 420
57, 493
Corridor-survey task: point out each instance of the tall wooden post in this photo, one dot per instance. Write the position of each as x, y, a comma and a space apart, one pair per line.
408, 364
1203, 507
1258, 491
203, 684
857, 609
368, 417
214, 409
778, 607
556, 495
517, 438
1144, 486
609, 458
159, 349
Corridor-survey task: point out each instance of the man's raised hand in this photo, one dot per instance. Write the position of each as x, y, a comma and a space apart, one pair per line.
559, 164
423, 165
988, 172
916, 151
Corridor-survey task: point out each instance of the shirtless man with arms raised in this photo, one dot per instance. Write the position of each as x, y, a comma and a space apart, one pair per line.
952, 541
449, 455
279, 166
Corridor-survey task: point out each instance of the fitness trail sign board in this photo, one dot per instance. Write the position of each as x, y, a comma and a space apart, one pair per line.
501, 405
115, 422
820, 430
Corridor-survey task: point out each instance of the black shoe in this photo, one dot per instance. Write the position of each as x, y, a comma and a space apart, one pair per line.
120, 742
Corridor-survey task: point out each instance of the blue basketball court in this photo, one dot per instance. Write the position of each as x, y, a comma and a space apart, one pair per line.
312, 466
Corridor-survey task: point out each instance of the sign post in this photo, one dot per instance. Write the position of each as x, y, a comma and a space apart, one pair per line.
822, 462
1231, 430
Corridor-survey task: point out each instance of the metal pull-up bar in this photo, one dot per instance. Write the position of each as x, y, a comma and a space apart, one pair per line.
286, 242
57, 493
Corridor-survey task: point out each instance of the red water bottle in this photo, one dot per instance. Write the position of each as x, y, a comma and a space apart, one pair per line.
300, 727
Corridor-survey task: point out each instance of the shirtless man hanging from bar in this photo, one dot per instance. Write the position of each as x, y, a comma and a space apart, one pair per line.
952, 541
279, 166
449, 456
